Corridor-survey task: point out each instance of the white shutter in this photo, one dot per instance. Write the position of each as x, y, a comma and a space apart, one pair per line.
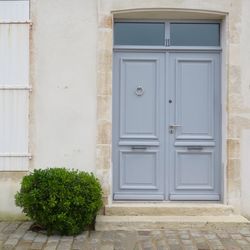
14, 85
14, 11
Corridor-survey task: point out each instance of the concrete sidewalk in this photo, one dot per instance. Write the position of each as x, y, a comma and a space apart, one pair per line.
16, 235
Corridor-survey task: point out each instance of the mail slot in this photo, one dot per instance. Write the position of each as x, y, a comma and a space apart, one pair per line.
194, 148
138, 147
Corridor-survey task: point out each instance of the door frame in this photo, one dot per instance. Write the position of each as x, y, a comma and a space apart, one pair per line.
165, 49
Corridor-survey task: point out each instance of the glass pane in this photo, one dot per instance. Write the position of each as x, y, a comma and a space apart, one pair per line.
195, 34
139, 33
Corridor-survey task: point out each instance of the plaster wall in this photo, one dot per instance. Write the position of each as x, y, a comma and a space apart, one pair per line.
62, 117
9, 184
63, 76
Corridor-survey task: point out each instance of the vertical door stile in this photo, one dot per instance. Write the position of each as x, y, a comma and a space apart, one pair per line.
167, 119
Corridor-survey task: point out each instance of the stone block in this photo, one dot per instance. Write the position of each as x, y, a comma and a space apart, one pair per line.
104, 82
103, 157
105, 60
233, 172
233, 146
104, 107
104, 132
234, 78
105, 21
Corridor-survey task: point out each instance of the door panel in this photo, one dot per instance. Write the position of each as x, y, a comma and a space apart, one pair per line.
194, 98
194, 169
139, 169
138, 140
195, 145
139, 110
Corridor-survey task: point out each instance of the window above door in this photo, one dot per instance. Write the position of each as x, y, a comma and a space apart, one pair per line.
172, 33
139, 33
195, 34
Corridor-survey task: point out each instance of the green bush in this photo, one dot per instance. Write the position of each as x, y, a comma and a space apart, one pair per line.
60, 200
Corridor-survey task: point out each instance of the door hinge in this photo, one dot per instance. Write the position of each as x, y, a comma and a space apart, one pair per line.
167, 42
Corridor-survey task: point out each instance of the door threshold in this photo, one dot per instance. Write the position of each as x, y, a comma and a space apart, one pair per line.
168, 208
114, 202
132, 223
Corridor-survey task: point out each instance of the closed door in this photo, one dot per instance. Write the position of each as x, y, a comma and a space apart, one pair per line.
194, 141
138, 126
166, 126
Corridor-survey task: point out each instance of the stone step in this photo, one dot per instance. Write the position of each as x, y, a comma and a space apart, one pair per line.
167, 209
107, 223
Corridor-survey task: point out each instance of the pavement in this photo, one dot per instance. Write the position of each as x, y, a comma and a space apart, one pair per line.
16, 235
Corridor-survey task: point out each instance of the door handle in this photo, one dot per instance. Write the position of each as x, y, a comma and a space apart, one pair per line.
173, 126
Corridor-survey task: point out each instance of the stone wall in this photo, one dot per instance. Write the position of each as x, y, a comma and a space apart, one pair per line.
235, 85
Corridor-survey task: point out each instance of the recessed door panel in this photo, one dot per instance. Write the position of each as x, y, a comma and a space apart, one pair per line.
194, 170
139, 170
194, 97
138, 91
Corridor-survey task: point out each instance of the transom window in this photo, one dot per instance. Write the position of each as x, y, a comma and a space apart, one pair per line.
139, 33
167, 33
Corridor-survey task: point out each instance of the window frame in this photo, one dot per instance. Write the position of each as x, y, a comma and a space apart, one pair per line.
167, 45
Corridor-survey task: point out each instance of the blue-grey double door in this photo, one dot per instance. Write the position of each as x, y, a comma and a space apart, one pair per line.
166, 125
